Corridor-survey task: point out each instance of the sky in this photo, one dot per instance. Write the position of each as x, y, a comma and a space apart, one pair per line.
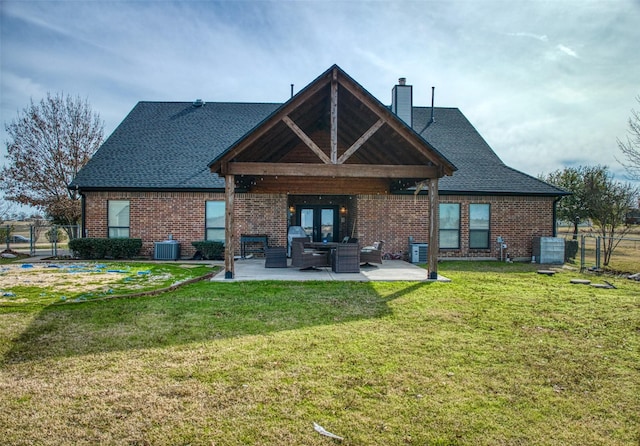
548, 84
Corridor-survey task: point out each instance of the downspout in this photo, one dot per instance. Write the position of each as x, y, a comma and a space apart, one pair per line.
555, 217
83, 212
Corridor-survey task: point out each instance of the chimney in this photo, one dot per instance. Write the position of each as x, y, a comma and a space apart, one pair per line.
402, 101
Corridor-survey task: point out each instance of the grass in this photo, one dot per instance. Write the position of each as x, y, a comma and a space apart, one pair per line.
501, 355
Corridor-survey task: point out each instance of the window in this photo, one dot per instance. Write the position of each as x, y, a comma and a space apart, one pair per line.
449, 225
479, 226
215, 221
118, 218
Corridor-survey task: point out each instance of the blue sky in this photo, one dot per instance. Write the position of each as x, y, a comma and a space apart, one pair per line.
548, 84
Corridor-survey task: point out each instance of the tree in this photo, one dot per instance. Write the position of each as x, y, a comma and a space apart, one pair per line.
631, 146
598, 197
608, 202
572, 207
48, 144
5, 211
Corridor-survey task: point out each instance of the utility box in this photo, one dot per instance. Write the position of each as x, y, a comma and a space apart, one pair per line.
167, 250
549, 250
419, 252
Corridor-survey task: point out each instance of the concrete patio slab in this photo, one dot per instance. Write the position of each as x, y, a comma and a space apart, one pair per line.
389, 271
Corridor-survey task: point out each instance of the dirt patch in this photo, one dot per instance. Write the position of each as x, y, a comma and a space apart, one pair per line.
76, 278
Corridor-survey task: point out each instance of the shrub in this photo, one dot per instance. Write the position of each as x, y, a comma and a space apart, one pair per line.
570, 250
100, 248
209, 249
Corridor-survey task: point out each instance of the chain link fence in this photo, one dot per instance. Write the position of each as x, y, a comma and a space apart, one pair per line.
590, 252
38, 238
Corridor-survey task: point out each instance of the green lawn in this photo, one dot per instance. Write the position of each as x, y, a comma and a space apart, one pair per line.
501, 355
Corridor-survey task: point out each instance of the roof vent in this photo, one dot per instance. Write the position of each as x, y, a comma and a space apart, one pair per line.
198, 103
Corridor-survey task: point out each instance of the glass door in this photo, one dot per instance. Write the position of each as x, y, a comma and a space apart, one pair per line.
319, 222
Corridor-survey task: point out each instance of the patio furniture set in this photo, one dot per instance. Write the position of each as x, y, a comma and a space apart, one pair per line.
340, 257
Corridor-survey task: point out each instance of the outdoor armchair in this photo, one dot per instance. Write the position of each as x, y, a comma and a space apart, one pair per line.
345, 258
372, 254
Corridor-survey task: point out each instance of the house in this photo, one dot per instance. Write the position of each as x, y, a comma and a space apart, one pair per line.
333, 159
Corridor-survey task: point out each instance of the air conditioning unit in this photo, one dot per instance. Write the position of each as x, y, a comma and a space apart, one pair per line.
419, 252
169, 250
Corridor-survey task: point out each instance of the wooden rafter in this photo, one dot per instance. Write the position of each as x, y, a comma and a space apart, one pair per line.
305, 138
356, 145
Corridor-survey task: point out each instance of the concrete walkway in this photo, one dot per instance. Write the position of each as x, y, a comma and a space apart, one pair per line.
389, 271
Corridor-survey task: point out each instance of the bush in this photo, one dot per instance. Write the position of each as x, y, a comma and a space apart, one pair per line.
570, 250
210, 250
100, 248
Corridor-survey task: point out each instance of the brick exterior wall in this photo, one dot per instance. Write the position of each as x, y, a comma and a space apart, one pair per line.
155, 215
392, 218
395, 218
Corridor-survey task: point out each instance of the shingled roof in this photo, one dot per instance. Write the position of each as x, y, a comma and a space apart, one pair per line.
480, 170
168, 145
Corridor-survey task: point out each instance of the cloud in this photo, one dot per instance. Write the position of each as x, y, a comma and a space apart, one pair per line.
562, 82
566, 50
541, 38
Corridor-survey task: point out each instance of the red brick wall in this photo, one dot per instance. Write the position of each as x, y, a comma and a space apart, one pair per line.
392, 218
155, 215
395, 218
516, 219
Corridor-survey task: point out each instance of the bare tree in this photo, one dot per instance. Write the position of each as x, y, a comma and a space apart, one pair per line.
38, 225
5, 210
631, 146
608, 203
48, 144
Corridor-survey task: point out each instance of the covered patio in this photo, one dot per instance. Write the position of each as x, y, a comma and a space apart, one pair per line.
332, 139
389, 271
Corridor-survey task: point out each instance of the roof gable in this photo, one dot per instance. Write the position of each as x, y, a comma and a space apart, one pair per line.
333, 124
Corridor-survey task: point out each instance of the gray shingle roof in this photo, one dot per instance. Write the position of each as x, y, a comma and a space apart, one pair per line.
480, 170
168, 145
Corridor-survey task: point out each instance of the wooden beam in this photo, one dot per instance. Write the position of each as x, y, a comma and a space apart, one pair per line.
229, 239
258, 133
333, 170
386, 115
334, 117
356, 145
434, 228
305, 138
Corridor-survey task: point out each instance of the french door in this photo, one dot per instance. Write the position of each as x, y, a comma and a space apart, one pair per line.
319, 222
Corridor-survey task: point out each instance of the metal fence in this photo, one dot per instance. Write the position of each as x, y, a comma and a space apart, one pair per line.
591, 252
38, 239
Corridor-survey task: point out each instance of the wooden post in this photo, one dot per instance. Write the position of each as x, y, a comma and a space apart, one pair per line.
334, 118
434, 228
229, 239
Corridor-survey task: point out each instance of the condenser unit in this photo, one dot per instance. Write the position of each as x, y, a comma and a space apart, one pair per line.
419, 252
169, 250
